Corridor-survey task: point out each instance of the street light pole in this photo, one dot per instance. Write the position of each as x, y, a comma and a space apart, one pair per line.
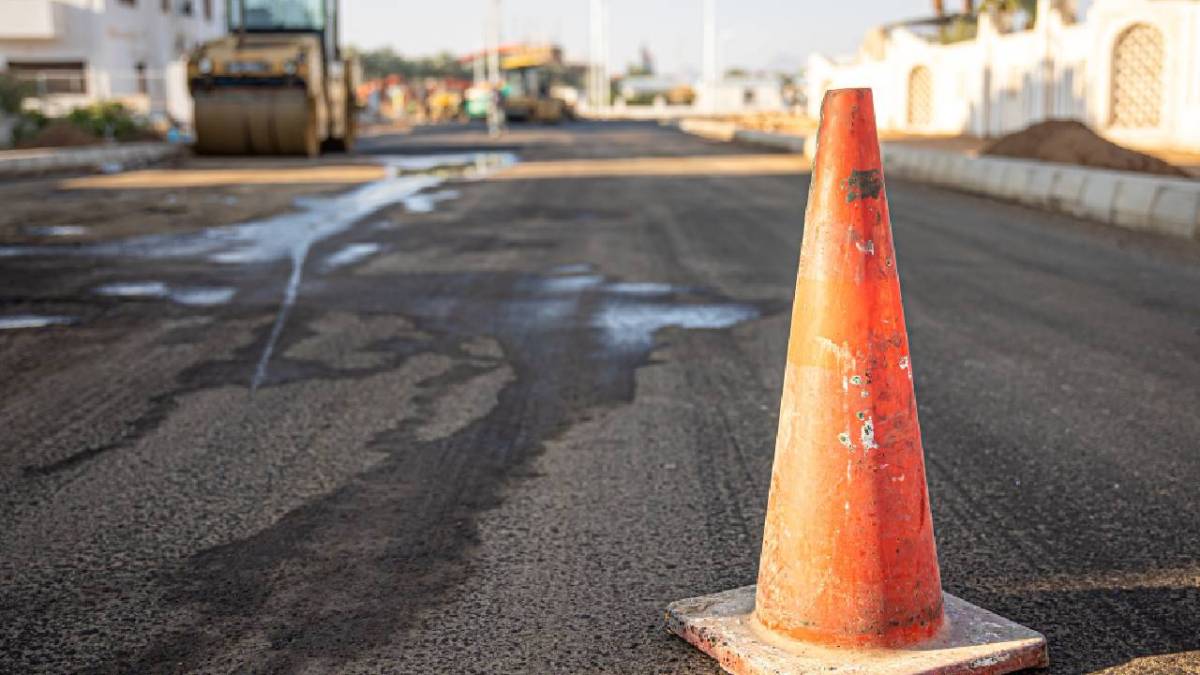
605, 71
493, 56
593, 95
710, 54
494, 42
479, 62
598, 69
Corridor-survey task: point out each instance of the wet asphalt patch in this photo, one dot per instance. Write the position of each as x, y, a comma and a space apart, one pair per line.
570, 360
286, 236
572, 337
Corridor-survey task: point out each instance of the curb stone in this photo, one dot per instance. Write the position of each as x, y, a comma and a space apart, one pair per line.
19, 163
1136, 201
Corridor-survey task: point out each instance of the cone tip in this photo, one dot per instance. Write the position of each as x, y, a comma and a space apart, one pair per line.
854, 99
847, 141
849, 91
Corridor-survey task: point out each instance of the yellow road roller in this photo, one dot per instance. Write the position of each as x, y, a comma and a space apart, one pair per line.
278, 84
529, 72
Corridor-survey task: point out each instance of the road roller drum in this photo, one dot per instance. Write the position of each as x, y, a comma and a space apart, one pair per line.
256, 123
279, 84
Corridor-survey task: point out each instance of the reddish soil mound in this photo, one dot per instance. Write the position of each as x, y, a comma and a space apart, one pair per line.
1072, 142
58, 134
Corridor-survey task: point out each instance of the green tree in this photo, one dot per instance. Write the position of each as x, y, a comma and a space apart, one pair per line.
384, 62
1007, 9
963, 27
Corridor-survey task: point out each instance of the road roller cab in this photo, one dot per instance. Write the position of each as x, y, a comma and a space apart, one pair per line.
278, 84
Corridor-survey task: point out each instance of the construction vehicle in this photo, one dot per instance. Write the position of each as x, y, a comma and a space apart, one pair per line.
278, 84
529, 73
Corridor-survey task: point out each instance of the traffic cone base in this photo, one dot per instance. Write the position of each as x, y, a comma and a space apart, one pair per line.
972, 640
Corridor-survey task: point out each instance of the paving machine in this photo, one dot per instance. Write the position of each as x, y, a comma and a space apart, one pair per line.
278, 84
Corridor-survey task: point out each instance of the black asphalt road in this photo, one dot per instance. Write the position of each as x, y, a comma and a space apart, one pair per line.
532, 413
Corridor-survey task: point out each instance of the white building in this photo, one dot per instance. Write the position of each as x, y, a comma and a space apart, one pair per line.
740, 94
78, 52
1130, 69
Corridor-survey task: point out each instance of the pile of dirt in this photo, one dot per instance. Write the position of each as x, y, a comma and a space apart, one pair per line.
1072, 142
59, 134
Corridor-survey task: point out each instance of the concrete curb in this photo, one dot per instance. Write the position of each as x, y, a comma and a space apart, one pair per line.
17, 163
789, 142
710, 129
728, 131
1135, 201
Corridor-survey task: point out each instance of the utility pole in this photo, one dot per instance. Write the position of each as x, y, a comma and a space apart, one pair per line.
495, 114
593, 92
479, 63
606, 70
710, 54
598, 70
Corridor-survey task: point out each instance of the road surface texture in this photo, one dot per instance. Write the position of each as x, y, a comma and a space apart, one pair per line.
484, 418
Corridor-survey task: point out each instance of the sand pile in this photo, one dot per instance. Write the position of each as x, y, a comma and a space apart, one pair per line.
1072, 142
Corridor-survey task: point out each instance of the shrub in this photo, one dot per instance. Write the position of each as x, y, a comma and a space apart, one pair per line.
644, 98
12, 92
107, 120
82, 126
29, 125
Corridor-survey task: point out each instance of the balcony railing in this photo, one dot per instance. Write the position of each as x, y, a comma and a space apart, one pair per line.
51, 82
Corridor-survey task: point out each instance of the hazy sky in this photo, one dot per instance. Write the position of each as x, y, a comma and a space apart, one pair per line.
754, 33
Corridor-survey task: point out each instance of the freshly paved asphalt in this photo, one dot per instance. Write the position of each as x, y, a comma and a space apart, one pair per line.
471, 452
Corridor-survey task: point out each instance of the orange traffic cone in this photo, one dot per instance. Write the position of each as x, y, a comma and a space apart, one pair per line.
849, 573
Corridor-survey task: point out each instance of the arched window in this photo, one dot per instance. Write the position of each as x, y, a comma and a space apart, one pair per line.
920, 97
1135, 101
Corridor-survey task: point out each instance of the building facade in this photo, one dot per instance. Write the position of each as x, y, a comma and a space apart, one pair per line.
77, 52
1130, 69
733, 94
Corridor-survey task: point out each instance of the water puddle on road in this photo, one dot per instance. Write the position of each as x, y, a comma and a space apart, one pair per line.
646, 288
290, 236
628, 314
19, 321
629, 325
203, 296
349, 255
195, 296
426, 202
623, 315
56, 230
469, 164
572, 268
569, 284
